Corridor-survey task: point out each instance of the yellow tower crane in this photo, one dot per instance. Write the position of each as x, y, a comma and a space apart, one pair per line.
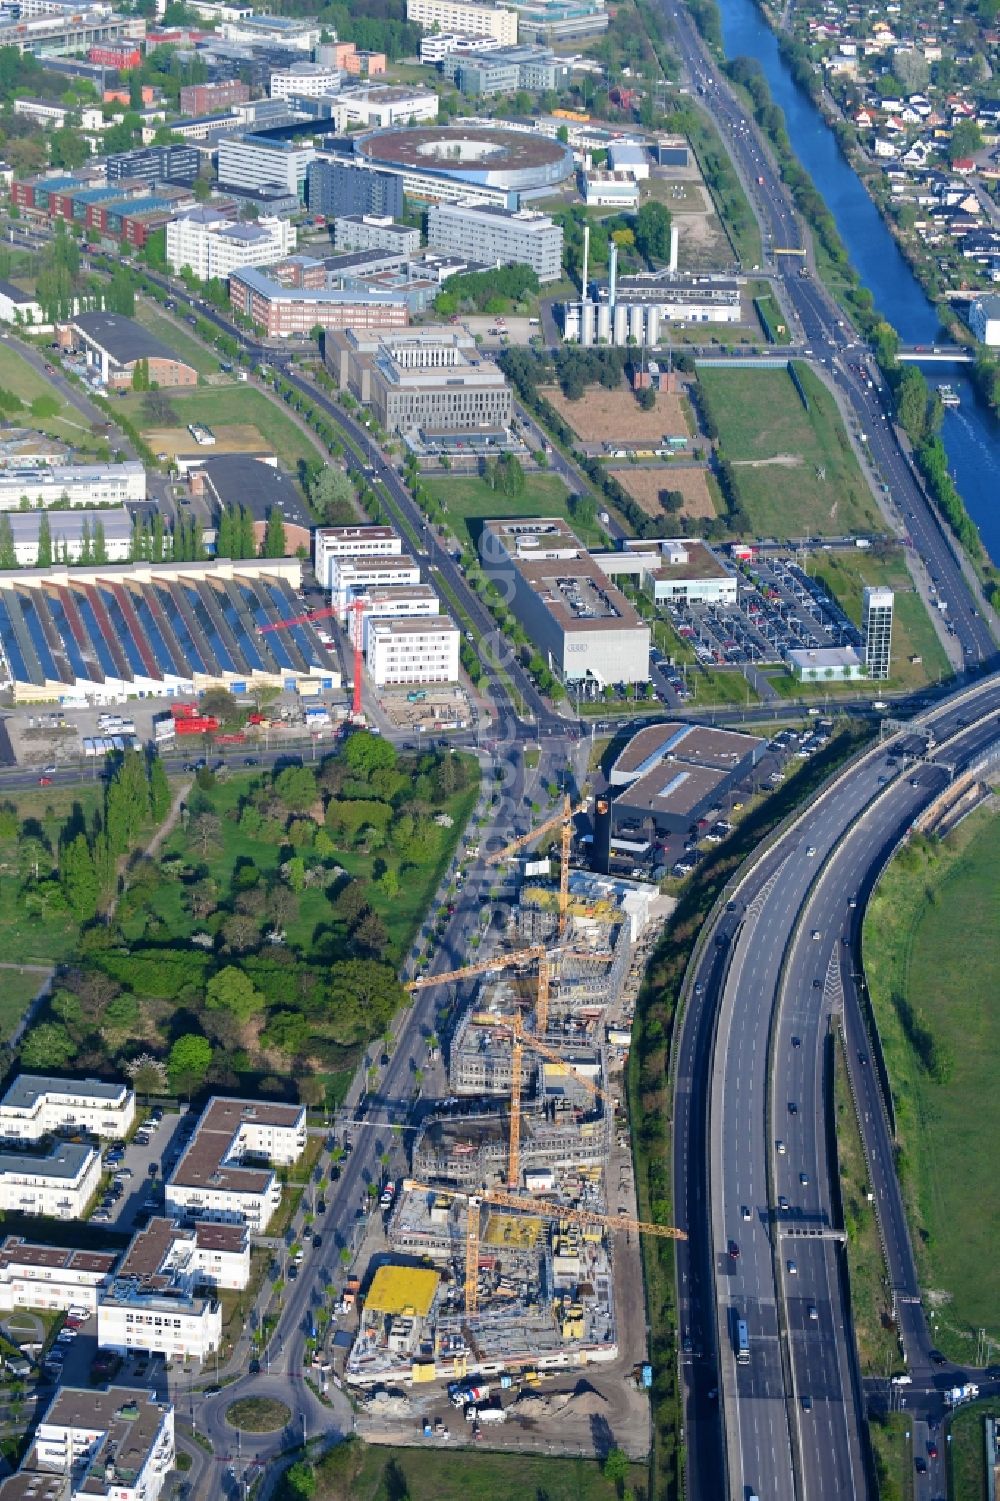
503, 1200
563, 821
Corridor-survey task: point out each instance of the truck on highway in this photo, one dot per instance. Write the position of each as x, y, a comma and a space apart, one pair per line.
742, 1342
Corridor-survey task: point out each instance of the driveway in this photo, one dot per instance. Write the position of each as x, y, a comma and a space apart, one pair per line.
144, 1193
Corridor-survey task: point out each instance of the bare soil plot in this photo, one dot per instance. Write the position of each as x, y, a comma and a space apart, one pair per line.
644, 486
237, 438
600, 415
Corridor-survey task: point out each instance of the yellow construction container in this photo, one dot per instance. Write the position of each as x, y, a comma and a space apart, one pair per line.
423, 1370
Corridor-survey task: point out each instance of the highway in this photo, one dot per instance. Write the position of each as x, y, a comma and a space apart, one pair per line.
754, 1046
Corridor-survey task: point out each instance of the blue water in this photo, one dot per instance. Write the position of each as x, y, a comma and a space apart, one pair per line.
971, 433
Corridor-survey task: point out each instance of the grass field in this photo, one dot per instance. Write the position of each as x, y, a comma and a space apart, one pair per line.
768, 311
28, 937
913, 634
236, 405
468, 498
600, 416
794, 469
937, 907
967, 1451
893, 1457
645, 483
68, 425
197, 354
17, 989
360, 1472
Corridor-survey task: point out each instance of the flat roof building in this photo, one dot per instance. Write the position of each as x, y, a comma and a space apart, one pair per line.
74, 534
679, 569
341, 186
412, 651
115, 345
258, 485
577, 618
60, 1185
826, 664
54, 1277
332, 542
219, 247
227, 1172
467, 20
352, 577
110, 1445
458, 392
251, 161
670, 774
497, 237
38, 1105
375, 232
877, 606
281, 310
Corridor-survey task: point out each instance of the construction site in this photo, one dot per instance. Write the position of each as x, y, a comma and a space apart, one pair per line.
512, 1253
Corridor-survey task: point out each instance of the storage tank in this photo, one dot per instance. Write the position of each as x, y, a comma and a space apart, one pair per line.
603, 321
621, 323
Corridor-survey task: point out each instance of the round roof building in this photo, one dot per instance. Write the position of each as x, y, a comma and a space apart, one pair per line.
469, 157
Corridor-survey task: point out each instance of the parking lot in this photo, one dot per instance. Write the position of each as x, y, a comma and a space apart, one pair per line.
780, 609
139, 1191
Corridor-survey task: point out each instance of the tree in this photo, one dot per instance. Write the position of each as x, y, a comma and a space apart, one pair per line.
966, 140
232, 990
44, 555
222, 705
312, 1093
274, 535
159, 790
100, 547
652, 231
48, 1046
190, 1060
79, 878
332, 496
296, 786
300, 1478
616, 1466
365, 753
148, 1074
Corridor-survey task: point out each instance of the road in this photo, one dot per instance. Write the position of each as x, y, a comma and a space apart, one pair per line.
754, 1044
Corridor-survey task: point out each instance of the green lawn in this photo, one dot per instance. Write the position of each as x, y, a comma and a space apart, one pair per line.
967, 1451
181, 342
913, 634
937, 906
893, 1457
794, 469
17, 990
468, 498
68, 425
359, 1472
768, 310
234, 404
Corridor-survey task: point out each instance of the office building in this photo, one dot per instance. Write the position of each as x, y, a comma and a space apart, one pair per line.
60, 1185
467, 20
411, 651
252, 162
584, 627
680, 570
304, 81
375, 232
497, 237
52, 1277
557, 22
43, 110
227, 1171
352, 577
459, 392
437, 45
602, 188
94, 1445
210, 245
346, 188
280, 311
77, 485
209, 98
287, 32
38, 1105
330, 542
876, 630
115, 346
377, 106
504, 69
135, 1317
155, 164
668, 775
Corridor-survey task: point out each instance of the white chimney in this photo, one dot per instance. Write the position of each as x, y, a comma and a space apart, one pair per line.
674, 242
586, 262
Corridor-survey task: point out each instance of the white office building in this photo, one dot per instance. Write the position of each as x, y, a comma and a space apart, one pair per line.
877, 605
227, 1172
38, 1105
168, 1324
54, 1277
373, 232
216, 247
984, 320
438, 45
252, 162
495, 236
305, 80
110, 1445
411, 651
467, 20
60, 1185
352, 577
73, 485
376, 106
679, 570
332, 542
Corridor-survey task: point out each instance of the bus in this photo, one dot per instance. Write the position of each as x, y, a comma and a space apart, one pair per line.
742, 1343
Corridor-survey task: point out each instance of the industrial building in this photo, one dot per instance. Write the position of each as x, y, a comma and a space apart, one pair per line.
107, 633
498, 237
281, 311
62, 486
576, 617
669, 775
683, 569
115, 346
38, 1105
227, 1171
209, 244
877, 605
632, 309
468, 20
603, 188
684, 298
252, 161
406, 652
93, 1445
254, 483
449, 164
375, 232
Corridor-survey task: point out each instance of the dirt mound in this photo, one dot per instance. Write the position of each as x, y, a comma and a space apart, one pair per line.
582, 1402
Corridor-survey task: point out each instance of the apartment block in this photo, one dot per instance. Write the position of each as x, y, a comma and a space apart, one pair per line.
210, 245
53, 1277
466, 20
60, 1185
38, 1105
227, 1172
170, 1324
375, 232
411, 651
110, 1445
252, 162
497, 237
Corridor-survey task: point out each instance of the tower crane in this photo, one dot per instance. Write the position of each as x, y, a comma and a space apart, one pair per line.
563, 820
540, 1210
356, 608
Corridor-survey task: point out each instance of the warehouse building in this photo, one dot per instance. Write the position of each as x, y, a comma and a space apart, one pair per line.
281, 311
146, 629
497, 237
578, 619
405, 652
63, 486
467, 20
255, 483
115, 346
227, 1172
211, 245
670, 775
375, 232
110, 1445
37, 1105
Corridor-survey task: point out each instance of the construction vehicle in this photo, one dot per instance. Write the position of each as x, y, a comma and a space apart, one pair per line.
355, 608
540, 1210
564, 821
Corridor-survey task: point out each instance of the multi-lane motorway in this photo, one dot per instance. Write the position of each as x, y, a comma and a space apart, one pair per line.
752, 1162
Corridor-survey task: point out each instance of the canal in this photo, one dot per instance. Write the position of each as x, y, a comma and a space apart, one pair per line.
970, 432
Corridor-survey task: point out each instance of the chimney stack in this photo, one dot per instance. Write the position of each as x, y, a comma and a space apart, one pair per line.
585, 294
612, 275
674, 242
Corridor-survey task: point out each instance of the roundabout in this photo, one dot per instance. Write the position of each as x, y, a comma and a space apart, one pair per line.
258, 1415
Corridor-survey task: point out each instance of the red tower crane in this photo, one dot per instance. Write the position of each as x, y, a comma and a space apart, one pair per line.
355, 608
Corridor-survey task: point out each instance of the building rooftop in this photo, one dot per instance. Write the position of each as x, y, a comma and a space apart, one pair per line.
402, 1290
241, 479
416, 626
205, 1164
358, 533
824, 656
266, 286
68, 1160
128, 1421
16, 294
556, 565
14, 1251
692, 744
674, 789
28, 1090
122, 338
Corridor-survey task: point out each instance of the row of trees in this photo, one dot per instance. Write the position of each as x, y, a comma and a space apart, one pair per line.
93, 545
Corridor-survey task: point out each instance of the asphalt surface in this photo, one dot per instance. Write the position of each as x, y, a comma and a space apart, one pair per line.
740, 1076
